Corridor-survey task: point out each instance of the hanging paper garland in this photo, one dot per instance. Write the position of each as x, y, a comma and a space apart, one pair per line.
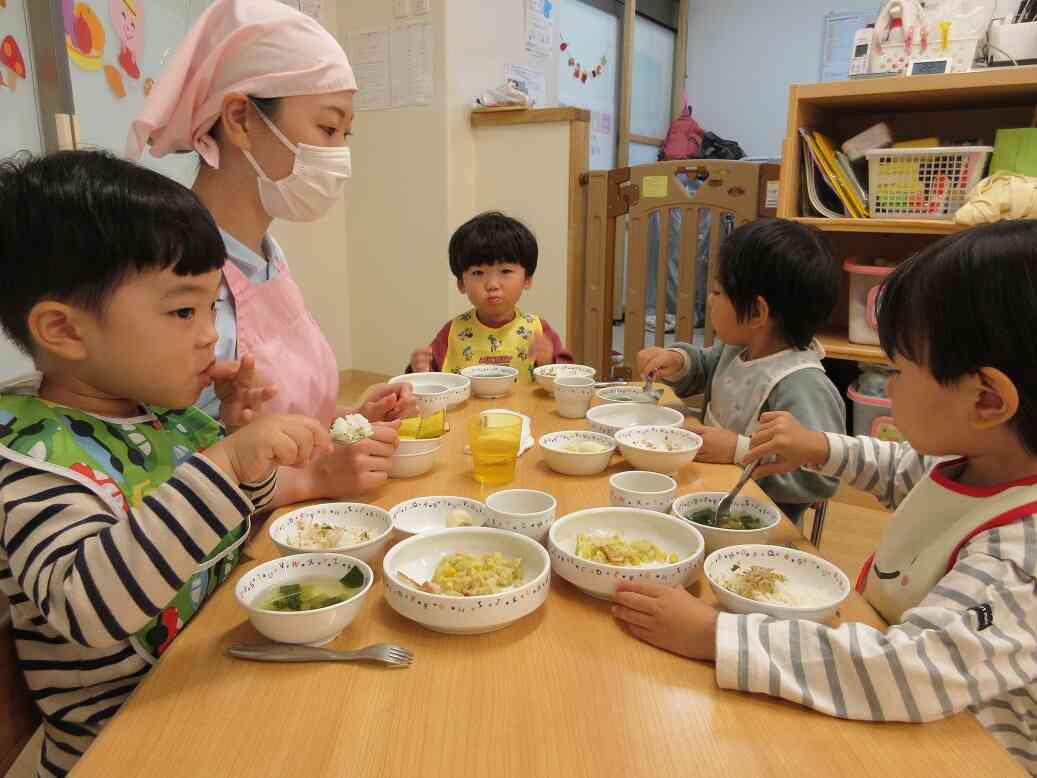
579, 72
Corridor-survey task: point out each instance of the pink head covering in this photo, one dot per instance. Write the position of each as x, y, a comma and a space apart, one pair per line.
262, 48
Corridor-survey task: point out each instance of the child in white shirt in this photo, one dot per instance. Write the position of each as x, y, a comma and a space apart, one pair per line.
955, 573
776, 285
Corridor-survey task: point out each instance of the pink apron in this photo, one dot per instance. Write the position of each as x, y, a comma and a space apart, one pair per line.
274, 325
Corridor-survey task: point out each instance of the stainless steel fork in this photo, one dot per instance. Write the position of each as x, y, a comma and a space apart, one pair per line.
386, 653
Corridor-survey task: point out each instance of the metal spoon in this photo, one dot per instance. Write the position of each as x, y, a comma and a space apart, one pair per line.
724, 508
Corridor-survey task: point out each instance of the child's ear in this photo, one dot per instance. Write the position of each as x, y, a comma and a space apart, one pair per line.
761, 313
234, 120
996, 398
528, 282
460, 286
56, 328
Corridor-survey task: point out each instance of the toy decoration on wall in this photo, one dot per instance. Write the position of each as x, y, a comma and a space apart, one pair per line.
579, 72
84, 35
13, 63
127, 21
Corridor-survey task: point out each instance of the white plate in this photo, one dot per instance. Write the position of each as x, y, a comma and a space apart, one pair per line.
417, 557
458, 387
610, 418
428, 514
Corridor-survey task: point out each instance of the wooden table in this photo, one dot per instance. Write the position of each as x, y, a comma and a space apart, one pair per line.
563, 692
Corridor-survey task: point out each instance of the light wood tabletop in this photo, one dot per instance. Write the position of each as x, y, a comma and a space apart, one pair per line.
564, 692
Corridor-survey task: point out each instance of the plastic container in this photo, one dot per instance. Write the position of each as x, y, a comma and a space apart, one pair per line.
923, 183
873, 416
865, 281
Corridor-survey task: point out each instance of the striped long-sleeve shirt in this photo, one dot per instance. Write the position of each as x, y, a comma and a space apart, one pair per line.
939, 659
81, 581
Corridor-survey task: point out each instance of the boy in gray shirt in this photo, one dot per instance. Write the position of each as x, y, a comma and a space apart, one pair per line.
776, 284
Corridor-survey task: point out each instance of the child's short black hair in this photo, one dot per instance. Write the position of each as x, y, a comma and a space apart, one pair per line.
75, 223
970, 301
787, 264
490, 238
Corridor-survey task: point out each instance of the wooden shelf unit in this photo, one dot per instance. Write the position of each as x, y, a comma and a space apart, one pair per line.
952, 107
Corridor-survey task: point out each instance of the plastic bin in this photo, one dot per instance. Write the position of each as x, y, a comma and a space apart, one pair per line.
923, 183
873, 416
865, 280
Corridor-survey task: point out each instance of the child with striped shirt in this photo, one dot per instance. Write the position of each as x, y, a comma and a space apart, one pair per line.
955, 573
121, 506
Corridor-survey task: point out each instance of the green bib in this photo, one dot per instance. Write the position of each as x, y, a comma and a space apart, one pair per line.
122, 460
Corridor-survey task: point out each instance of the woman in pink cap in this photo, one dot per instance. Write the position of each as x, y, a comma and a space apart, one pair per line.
264, 94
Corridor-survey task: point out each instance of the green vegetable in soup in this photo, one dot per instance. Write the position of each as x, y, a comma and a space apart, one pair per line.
707, 517
311, 593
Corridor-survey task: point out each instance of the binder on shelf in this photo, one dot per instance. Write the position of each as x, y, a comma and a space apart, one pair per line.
840, 183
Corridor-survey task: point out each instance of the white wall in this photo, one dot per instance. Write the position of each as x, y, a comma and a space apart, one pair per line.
742, 57
415, 179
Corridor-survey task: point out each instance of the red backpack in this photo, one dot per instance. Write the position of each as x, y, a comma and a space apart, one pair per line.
684, 138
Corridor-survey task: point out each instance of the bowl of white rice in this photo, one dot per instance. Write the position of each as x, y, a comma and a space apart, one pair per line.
782, 582
356, 529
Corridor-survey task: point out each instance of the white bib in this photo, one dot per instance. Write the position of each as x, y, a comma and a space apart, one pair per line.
921, 542
740, 388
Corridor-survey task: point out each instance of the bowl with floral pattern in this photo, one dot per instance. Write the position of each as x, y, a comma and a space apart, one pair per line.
680, 545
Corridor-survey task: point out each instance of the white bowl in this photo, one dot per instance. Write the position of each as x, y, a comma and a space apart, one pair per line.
717, 537
428, 514
610, 418
412, 465
571, 462
627, 395
646, 448
459, 387
489, 381
344, 514
525, 511
545, 374
642, 489
429, 398
315, 627
667, 532
417, 558
810, 574
418, 445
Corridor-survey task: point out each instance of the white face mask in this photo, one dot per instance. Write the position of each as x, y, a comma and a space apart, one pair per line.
315, 183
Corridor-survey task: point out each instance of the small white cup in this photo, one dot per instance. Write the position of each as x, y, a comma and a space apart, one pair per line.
429, 398
573, 396
642, 489
525, 511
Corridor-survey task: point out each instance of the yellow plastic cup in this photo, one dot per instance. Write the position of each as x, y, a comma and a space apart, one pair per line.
494, 439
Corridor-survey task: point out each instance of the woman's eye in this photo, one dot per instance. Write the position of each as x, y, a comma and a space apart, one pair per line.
184, 313
329, 131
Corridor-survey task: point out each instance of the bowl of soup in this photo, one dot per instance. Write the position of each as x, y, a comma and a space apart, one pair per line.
304, 598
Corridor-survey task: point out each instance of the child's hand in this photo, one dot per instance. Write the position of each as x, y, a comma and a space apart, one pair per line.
718, 444
421, 360
239, 391
357, 468
541, 350
781, 435
388, 402
253, 452
669, 618
659, 363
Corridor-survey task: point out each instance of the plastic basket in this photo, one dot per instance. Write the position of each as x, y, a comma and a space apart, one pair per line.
923, 183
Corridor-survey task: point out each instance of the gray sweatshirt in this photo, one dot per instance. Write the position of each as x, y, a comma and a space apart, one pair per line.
807, 394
